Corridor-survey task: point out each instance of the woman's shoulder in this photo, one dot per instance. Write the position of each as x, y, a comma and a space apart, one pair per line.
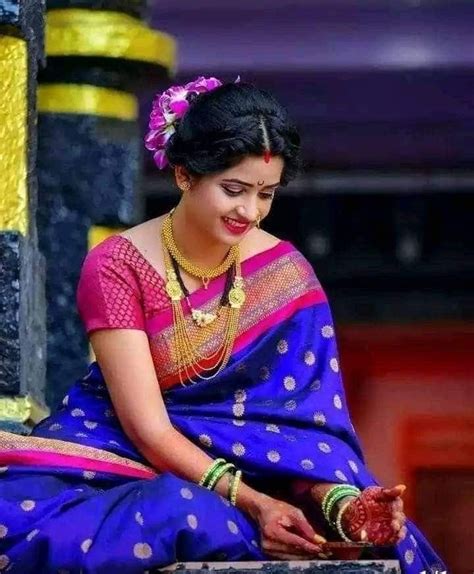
258, 241
119, 249
111, 255
296, 264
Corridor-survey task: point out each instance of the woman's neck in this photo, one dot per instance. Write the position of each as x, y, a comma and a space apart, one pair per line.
197, 247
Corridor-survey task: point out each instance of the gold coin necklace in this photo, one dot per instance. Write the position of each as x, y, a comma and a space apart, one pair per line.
191, 362
203, 318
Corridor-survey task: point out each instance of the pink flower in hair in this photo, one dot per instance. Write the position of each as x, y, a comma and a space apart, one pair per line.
168, 108
203, 84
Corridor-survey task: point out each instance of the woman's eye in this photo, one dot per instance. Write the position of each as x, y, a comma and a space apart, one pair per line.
232, 192
267, 195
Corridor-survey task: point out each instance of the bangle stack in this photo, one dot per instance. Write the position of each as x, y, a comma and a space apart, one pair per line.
216, 471
331, 498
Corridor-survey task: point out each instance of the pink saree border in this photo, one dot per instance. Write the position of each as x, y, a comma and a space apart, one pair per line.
27, 450
35, 458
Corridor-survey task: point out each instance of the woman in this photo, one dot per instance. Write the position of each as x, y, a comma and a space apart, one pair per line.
215, 412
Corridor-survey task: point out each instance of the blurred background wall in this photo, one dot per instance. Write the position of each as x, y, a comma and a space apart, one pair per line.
383, 94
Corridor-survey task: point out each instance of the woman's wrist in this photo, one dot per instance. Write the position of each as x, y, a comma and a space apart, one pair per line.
246, 498
250, 501
339, 504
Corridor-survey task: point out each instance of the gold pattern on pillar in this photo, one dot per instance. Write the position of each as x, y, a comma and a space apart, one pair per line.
13, 135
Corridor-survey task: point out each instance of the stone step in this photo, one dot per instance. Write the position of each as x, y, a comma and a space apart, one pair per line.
292, 567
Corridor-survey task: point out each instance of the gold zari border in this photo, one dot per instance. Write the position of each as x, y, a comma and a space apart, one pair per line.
77, 32
88, 100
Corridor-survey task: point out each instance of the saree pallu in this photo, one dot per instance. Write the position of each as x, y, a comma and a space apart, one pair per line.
77, 496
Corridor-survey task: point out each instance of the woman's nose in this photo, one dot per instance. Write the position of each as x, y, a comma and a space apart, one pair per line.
248, 211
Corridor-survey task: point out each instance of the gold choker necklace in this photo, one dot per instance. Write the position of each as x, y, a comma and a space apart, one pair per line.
204, 274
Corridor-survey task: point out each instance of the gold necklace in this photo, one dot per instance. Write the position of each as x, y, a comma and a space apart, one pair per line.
189, 358
204, 274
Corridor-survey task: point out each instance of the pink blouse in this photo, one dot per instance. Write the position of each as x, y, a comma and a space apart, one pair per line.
118, 288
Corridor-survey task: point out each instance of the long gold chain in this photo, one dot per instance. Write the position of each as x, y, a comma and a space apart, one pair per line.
204, 274
188, 356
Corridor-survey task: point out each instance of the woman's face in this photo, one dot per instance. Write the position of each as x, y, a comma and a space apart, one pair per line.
227, 205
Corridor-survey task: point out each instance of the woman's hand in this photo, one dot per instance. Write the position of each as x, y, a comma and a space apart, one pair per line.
376, 516
285, 532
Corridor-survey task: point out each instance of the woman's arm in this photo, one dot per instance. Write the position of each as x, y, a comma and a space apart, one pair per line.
125, 360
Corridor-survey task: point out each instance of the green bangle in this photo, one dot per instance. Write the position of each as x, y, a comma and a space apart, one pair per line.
334, 495
334, 492
330, 509
330, 495
207, 474
218, 474
212, 472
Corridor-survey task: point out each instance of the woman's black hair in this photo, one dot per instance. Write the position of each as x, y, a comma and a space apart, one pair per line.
232, 121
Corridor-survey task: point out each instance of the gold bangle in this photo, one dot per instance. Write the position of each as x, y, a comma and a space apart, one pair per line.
204, 478
338, 523
234, 487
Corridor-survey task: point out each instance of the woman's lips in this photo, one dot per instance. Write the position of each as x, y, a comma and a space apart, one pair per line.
235, 227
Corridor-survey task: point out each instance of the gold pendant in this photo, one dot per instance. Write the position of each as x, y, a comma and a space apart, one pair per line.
173, 288
205, 282
236, 297
203, 319
238, 282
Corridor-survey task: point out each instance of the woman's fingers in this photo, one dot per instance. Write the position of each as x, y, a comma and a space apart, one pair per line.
300, 522
402, 533
393, 493
398, 504
395, 524
291, 539
400, 516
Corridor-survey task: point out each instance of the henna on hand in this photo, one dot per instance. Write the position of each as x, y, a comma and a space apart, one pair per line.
374, 516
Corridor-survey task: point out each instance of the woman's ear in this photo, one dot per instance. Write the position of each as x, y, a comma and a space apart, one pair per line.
182, 177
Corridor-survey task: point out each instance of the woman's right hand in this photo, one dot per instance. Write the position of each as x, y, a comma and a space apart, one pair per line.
285, 532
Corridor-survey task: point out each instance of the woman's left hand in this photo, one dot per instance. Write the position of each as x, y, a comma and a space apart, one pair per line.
376, 516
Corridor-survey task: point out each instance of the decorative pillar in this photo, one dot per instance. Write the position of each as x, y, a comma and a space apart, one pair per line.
22, 305
89, 153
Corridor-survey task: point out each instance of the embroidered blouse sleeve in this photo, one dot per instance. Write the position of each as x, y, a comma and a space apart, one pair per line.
108, 294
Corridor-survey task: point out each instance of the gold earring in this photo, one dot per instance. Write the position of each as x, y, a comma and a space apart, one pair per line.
185, 186
259, 219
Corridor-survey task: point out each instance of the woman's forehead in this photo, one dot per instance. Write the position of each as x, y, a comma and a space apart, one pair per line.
254, 168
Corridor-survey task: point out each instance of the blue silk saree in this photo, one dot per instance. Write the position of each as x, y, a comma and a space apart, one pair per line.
77, 496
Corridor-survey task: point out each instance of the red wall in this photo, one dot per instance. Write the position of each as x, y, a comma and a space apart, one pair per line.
411, 395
